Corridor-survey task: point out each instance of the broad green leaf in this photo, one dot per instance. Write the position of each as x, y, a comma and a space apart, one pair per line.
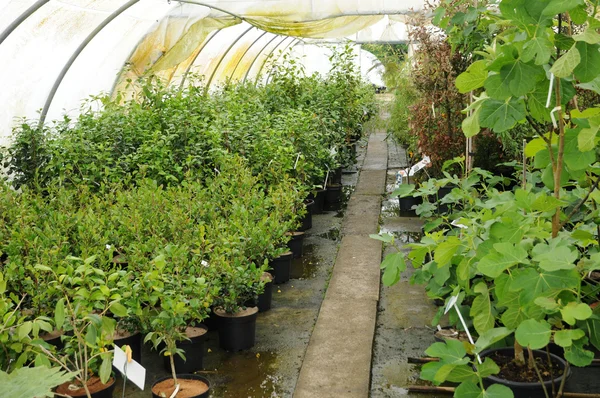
91, 335
573, 156
473, 78
446, 250
482, 311
538, 47
515, 312
105, 367
564, 338
470, 125
394, 265
24, 329
556, 258
504, 256
577, 355
41, 267
59, 314
429, 370
496, 88
587, 70
533, 334
19, 382
534, 146
586, 140
507, 231
593, 85
547, 303
548, 176
563, 41
501, 115
592, 326
403, 191
387, 238
556, 7
565, 65
449, 352
521, 77
498, 391
118, 309
490, 337
487, 368
438, 15
589, 36
467, 390
573, 312
462, 373
579, 14
545, 203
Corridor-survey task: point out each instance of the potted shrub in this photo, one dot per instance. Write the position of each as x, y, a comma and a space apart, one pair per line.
176, 303
83, 314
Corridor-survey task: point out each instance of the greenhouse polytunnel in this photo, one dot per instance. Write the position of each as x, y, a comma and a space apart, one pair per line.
276, 198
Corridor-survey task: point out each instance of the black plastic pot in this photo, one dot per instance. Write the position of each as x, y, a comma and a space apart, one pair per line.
319, 199
194, 352
442, 208
54, 340
237, 331
520, 389
333, 197
307, 219
211, 322
295, 243
281, 268
134, 341
263, 302
407, 203
266, 297
185, 377
106, 393
335, 177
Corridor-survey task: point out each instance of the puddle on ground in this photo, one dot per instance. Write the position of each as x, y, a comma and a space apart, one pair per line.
332, 234
402, 236
305, 266
246, 374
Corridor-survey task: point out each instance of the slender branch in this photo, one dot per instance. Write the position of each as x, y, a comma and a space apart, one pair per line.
551, 371
562, 383
537, 371
576, 208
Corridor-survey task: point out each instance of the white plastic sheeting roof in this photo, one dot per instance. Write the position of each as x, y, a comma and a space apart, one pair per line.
56, 52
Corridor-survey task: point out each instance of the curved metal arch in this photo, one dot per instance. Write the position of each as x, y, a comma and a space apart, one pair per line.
199, 3
267, 58
18, 21
214, 72
293, 44
78, 51
258, 55
189, 68
245, 52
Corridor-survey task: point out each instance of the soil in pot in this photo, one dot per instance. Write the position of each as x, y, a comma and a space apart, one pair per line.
281, 267
194, 351
333, 197
307, 219
94, 385
295, 243
523, 381
133, 340
237, 331
190, 386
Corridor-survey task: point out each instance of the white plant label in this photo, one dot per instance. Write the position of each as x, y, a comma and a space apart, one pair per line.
132, 370
452, 303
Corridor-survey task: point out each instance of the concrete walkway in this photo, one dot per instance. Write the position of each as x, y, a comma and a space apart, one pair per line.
338, 358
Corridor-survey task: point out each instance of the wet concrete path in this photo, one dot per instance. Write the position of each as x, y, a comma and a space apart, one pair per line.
338, 359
